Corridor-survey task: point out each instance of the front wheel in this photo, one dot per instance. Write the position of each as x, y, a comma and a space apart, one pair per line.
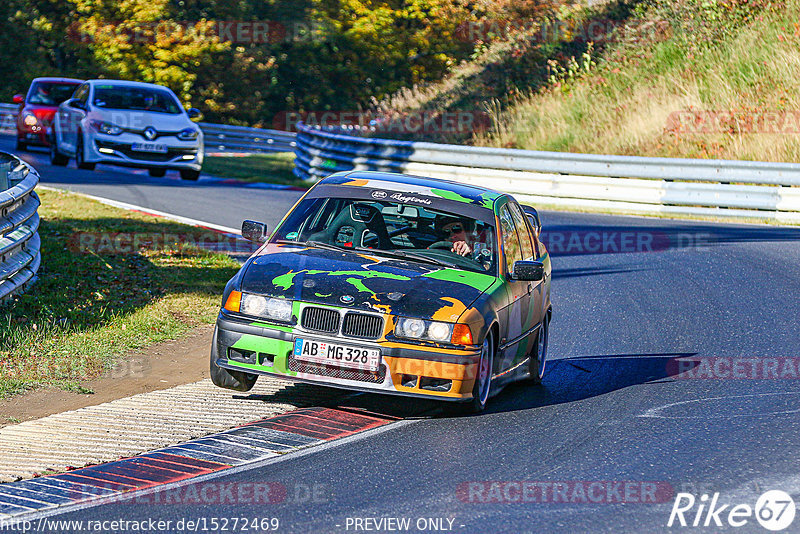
190, 174
225, 378
56, 157
538, 359
80, 155
483, 379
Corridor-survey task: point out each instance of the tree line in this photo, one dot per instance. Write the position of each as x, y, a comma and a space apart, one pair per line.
246, 62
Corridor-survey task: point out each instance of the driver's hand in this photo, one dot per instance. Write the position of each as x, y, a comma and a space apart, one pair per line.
461, 248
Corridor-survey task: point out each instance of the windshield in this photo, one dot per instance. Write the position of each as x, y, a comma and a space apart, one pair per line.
135, 98
50, 93
414, 233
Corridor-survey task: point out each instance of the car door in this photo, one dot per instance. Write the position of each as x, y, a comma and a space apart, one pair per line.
70, 115
514, 343
536, 288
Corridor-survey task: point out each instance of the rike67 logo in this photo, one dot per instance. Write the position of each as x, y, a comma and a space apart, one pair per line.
774, 510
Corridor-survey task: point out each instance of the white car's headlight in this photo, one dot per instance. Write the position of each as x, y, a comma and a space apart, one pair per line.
188, 134
106, 127
269, 308
420, 329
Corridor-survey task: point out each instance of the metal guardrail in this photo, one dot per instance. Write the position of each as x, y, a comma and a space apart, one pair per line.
218, 137
224, 138
620, 183
8, 112
20, 246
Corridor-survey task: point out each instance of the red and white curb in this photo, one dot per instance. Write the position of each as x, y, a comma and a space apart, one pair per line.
251, 443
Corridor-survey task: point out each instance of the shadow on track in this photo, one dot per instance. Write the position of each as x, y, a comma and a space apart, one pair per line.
574, 379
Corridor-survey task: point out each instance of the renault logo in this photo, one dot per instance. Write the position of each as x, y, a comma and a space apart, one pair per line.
150, 133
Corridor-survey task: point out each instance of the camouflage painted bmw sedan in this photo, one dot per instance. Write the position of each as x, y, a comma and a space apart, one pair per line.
391, 283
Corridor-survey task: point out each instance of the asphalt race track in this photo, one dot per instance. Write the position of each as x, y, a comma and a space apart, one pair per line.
673, 368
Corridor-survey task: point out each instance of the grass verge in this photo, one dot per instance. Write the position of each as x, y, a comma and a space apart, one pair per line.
90, 308
274, 168
698, 89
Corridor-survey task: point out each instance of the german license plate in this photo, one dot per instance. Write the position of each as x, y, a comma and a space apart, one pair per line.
149, 147
338, 355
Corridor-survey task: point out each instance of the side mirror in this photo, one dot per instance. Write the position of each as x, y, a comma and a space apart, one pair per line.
533, 218
194, 113
18, 99
255, 231
76, 103
528, 270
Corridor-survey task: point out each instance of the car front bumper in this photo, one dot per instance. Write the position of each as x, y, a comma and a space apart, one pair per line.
118, 150
405, 369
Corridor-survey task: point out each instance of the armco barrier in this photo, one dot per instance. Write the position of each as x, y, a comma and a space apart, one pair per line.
218, 137
620, 183
20, 253
8, 112
224, 138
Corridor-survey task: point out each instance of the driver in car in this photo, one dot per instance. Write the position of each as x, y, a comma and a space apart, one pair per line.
454, 230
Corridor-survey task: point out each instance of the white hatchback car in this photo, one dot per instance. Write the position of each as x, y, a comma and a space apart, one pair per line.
132, 124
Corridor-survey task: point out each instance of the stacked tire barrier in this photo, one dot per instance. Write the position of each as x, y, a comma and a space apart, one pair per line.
20, 254
769, 191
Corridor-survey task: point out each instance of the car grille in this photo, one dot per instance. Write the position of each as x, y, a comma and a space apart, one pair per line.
376, 377
320, 319
362, 326
125, 148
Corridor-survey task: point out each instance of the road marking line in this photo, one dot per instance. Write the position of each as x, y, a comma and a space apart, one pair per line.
148, 211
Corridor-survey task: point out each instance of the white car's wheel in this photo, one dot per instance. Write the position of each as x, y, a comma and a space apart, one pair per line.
80, 155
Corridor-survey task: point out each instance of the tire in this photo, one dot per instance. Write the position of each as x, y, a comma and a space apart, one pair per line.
190, 174
79, 155
157, 173
56, 157
538, 360
483, 380
22, 146
225, 378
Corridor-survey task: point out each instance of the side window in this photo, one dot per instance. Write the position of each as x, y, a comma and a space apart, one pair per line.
524, 233
511, 245
82, 93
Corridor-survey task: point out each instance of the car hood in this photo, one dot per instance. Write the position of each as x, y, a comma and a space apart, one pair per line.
360, 281
139, 120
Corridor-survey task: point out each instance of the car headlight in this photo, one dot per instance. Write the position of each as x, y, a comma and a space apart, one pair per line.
29, 119
106, 127
188, 134
269, 308
428, 330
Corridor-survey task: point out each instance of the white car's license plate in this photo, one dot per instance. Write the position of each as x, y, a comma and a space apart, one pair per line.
149, 147
338, 355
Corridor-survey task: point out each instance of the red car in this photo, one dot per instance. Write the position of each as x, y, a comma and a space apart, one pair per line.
38, 108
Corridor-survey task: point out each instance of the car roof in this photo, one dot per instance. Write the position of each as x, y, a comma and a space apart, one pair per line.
56, 80
415, 184
127, 83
